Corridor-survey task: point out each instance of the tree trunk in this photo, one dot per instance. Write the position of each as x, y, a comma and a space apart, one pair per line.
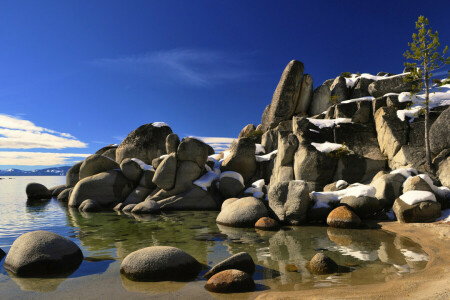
427, 121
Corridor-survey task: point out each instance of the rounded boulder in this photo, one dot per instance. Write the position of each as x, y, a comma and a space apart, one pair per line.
37, 191
343, 217
243, 212
230, 281
321, 264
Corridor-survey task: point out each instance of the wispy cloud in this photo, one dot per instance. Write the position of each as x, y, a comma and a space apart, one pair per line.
191, 66
219, 144
39, 158
16, 133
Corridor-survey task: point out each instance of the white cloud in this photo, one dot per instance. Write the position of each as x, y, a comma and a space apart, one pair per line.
219, 144
191, 66
39, 158
16, 133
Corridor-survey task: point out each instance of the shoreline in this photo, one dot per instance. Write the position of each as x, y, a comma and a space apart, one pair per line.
433, 282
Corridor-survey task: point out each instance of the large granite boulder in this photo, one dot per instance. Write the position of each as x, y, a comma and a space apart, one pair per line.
172, 142
440, 133
361, 88
56, 190
243, 212
41, 253
37, 191
145, 143
339, 90
159, 263
166, 172
230, 281
241, 159
64, 195
107, 189
192, 149
73, 175
306, 95
321, 100
388, 188
138, 195
96, 164
283, 168
247, 131
131, 168
363, 206
416, 183
424, 211
289, 200
231, 184
392, 84
147, 178
194, 199
392, 133
240, 261
285, 97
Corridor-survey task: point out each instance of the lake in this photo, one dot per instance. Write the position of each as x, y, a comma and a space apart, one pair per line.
372, 256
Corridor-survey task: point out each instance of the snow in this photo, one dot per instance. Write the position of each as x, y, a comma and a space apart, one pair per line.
391, 215
226, 153
208, 168
266, 157
414, 256
256, 189
407, 172
328, 147
160, 124
368, 98
442, 191
163, 156
341, 183
323, 123
143, 165
352, 80
315, 131
206, 180
258, 184
260, 149
414, 197
445, 216
321, 204
356, 190
439, 96
391, 94
234, 175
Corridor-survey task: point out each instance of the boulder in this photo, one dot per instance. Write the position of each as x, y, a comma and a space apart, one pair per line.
364, 112
289, 200
241, 261
146, 207
339, 90
321, 100
355, 168
321, 264
415, 183
388, 188
283, 168
172, 142
243, 212
37, 191
306, 132
138, 195
96, 164
64, 195
193, 199
363, 206
247, 130
41, 253
103, 150
128, 208
392, 84
266, 223
166, 172
336, 186
425, 211
440, 133
159, 263
147, 178
56, 190
361, 88
345, 110
145, 143
107, 188
409, 156
111, 153
230, 281
131, 169
89, 205
392, 132
306, 95
157, 161
442, 163
73, 175
269, 140
315, 167
285, 97
231, 184
343, 217
192, 149
241, 159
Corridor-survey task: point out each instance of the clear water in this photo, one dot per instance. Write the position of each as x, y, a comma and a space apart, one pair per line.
106, 238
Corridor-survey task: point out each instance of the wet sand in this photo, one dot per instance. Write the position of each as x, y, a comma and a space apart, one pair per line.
433, 282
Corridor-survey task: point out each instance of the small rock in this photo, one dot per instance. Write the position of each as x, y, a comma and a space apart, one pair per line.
291, 268
321, 264
37, 191
266, 223
158, 263
343, 217
146, 207
241, 261
230, 281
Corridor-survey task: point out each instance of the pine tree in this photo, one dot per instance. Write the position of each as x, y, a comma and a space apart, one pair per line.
426, 59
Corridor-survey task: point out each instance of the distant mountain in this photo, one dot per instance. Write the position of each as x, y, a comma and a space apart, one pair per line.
58, 171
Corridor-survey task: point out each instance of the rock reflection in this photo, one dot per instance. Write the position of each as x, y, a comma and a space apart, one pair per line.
42, 285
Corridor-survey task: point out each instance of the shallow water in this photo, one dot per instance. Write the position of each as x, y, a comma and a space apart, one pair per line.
106, 238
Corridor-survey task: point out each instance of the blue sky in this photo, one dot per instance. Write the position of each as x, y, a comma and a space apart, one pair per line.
78, 75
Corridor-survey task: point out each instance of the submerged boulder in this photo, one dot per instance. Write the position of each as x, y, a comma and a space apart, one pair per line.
158, 263
89, 205
230, 281
40, 253
64, 195
321, 264
37, 191
243, 212
145, 143
240, 261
